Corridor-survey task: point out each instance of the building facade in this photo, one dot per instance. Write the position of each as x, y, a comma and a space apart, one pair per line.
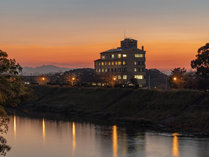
124, 64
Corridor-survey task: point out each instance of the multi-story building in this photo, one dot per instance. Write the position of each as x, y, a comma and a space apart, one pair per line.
125, 63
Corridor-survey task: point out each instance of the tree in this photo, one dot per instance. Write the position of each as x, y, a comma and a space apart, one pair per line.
12, 87
201, 64
12, 90
177, 78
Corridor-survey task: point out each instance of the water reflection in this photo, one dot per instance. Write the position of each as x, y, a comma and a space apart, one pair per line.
115, 141
87, 139
175, 148
43, 130
74, 138
15, 129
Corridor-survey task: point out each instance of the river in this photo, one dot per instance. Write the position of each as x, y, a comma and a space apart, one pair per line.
46, 138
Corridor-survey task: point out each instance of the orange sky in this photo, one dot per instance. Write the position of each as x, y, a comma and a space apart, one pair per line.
72, 33
161, 55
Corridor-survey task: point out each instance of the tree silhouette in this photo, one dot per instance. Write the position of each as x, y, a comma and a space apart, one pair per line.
177, 78
11, 85
12, 90
201, 63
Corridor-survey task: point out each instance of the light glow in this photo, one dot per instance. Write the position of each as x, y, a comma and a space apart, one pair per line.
43, 130
175, 148
15, 127
115, 141
74, 136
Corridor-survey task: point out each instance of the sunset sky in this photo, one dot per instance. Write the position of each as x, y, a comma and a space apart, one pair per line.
72, 33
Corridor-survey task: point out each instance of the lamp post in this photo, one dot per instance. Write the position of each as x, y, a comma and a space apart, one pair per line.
175, 79
73, 79
114, 80
43, 78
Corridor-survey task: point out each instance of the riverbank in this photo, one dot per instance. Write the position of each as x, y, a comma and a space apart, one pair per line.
176, 110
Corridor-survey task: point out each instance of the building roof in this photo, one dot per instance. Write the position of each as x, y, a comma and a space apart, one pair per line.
113, 50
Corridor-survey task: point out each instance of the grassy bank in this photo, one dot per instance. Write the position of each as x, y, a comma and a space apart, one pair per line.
182, 110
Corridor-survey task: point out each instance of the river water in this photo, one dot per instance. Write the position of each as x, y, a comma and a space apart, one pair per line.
46, 138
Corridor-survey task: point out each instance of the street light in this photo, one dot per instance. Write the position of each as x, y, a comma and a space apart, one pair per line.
114, 80
43, 78
73, 79
175, 78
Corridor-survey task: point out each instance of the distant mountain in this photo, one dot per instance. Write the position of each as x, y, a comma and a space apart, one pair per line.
45, 69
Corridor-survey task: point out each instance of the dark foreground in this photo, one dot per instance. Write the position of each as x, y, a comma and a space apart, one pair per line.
183, 111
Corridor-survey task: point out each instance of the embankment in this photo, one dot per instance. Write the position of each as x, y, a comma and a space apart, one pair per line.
179, 110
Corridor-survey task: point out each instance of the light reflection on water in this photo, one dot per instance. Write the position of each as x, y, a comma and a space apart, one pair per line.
15, 128
115, 141
43, 130
66, 139
175, 145
74, 134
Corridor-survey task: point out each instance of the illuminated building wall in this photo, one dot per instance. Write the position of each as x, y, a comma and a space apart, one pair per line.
124, 63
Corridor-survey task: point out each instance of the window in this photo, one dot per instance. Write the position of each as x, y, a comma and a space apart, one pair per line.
124, 77
112, 63
105, 70
103, 57
119, 77
124, 55
138, 77
112, 56
99, 70
135, 70
99, 63
135, 63
119, 55
108, 63
119, 62
137, 55
105, 63
116, 63
102, 63
102, 70
124, 62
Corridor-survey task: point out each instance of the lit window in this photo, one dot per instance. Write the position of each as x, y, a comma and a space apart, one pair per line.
119, 62
119, 55
102, 63
138, 77
139, 55
134, 63
103, 57
105, 70
124, 77
112, 56
135, 70
124, 55
112, 63
124, 62
119, 77
116, 63
108, 63
99, 63
99, 70
102, 70
105, 63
